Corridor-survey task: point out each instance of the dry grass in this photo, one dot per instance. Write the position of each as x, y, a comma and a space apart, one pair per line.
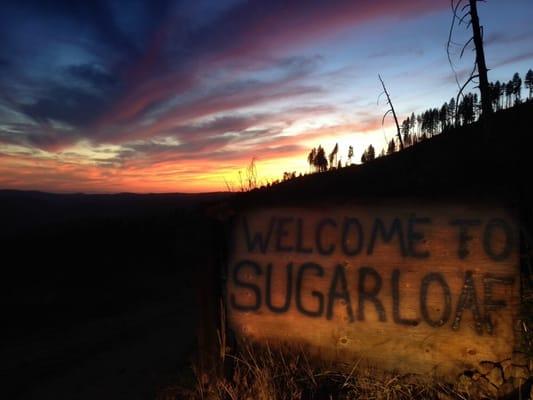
526, 317
261, 373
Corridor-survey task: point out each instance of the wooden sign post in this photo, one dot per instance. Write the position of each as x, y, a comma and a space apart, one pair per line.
422, 288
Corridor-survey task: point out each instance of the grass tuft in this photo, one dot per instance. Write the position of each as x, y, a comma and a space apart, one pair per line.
263, 373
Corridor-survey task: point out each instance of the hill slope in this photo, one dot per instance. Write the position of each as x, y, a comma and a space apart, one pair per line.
467, 162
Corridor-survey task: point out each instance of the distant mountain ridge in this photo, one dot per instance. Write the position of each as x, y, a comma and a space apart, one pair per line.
22, 210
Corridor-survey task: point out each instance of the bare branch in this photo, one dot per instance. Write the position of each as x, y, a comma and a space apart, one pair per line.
472, 77
477, 38
452, 25
477, 30
464, 47
455, 7
393, 112
384, 115
381, 94
463, 18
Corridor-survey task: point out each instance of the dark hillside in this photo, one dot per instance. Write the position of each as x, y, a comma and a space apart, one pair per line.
466, 162
98, 292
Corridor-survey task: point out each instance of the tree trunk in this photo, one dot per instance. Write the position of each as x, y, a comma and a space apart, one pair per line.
486, 106
393, 112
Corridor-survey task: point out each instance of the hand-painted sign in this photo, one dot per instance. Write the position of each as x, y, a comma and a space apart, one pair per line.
415, 288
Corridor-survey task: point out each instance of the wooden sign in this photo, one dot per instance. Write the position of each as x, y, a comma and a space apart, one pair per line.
413, 288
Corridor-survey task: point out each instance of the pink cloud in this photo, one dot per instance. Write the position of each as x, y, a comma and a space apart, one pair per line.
257, 32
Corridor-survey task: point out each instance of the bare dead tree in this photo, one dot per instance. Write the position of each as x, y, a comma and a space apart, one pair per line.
480, 71
390, 110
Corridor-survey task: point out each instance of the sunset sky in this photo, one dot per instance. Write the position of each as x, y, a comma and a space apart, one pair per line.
177, 96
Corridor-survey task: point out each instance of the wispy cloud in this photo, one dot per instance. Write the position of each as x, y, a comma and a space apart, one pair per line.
98, 95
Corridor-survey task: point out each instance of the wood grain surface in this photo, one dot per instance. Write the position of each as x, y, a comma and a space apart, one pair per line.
422, 288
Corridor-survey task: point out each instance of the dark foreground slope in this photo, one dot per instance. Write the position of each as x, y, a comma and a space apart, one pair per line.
97, 292
474, 161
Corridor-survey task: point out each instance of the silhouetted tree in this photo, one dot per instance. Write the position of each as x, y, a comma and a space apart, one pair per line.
369, 154
430, 119
419, 123
466, 109
333, 156
451, 111
528, 81
477, 106
407, 139
470, 10
509, 94
496, 93
405, 126
499, 89
433, 120
443, 116
320, 161
289, 175
517, 87
391, 148
311, 157
350, 154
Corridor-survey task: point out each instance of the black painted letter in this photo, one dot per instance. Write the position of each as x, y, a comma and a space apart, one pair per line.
396, 302
370, 295
436, 277
487, 239
258, 240
413, 237
339, 277
319, 271
464, 237
379, 228
288, 290
468, 299
250, 286
349, 222
489, 303
319, 245
300, 239
281, 233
